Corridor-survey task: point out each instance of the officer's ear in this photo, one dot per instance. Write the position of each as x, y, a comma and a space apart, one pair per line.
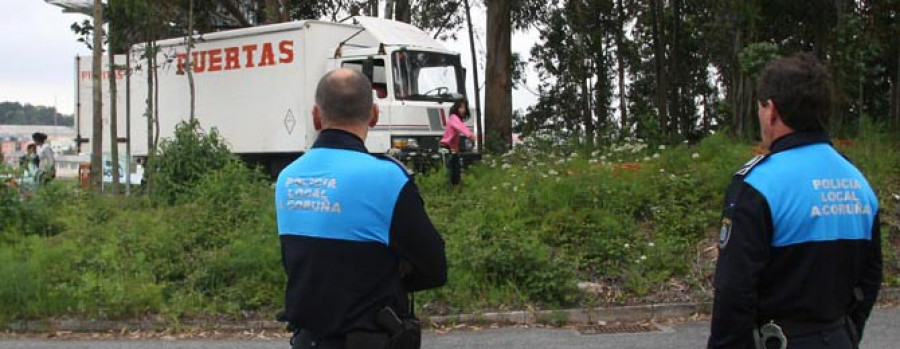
373, 119
770, 114
317, 118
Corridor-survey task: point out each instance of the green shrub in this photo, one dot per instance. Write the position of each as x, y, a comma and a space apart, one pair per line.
181, 161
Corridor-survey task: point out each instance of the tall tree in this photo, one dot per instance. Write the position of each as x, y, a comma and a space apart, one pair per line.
113, 114
659, 62
620, 65
498, 91
97, 68
502, 17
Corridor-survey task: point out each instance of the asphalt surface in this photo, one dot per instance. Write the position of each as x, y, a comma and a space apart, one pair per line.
881, 333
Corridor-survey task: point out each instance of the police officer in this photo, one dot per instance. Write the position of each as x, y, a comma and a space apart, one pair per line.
799, 245
355, 236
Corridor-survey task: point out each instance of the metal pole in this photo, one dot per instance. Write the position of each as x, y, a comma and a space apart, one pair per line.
479, 139
78, 104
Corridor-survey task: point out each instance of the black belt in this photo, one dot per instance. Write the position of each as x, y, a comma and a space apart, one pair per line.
800, 329
353, 340
307, 339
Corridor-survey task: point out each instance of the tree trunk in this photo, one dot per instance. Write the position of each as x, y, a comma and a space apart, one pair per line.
97, 72
372, 11
895, 97
402, 11
113, 118
477, 109
151, 66
659, 61
498, 93
389, 9
588, 117
189, 64
155, 73
620, 63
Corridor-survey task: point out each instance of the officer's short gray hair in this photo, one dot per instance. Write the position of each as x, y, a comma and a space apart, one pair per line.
344, 97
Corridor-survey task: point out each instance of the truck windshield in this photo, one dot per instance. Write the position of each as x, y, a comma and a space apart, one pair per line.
427, 76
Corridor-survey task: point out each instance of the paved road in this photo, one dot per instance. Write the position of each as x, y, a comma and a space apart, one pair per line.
881, 333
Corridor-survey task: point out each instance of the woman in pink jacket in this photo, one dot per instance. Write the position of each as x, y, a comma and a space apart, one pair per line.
456, 125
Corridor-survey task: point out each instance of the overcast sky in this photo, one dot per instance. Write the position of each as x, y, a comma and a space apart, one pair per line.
37, 54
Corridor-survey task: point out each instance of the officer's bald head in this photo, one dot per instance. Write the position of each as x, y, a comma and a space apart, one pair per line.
344, 97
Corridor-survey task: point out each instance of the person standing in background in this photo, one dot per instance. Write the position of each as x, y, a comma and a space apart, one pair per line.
47, 168
456, 126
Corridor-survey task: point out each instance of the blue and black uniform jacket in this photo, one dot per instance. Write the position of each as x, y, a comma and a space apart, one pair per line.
347, 219
799, 232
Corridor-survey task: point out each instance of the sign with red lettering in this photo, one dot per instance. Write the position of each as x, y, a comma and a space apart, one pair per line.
238, 57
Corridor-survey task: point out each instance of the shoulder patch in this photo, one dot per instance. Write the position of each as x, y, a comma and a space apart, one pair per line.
724, 233
396, 162
749, 165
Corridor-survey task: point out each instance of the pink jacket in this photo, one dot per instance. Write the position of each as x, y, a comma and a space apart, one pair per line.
454, 127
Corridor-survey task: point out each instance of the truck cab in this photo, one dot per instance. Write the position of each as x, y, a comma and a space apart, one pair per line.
414, 84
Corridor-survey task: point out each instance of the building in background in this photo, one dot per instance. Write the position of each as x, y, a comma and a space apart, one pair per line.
14, 139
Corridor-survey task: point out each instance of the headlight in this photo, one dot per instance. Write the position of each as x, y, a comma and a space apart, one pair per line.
405, 143
399, 143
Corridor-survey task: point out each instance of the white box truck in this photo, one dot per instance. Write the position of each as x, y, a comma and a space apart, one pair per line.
257, 86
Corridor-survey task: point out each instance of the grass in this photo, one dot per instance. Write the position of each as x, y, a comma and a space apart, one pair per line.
544, 228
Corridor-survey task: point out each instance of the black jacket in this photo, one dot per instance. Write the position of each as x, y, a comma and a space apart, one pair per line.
347, 220
799, 232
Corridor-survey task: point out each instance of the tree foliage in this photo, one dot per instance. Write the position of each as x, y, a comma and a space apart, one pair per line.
690, 65
14, 113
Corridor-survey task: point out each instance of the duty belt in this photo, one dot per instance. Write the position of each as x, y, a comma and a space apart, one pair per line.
796, 329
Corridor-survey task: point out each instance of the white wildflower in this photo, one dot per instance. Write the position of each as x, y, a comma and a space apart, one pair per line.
672, 176
552, 172
662, 147
695, 156
656, 155
627, 245
662, 170
643, 257
651, 244
494, 188
646, 158
506, 166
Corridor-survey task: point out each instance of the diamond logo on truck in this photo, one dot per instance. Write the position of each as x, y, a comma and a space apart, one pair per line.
289, 121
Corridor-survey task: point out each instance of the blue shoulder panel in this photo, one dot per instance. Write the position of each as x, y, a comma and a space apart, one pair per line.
814, 194
338, 194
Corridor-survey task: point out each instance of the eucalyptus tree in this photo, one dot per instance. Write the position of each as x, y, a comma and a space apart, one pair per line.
503, 16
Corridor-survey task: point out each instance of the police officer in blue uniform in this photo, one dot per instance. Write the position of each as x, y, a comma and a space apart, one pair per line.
355, 237
799, 248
